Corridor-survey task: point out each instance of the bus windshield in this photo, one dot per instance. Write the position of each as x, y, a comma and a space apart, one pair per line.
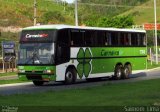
36, 53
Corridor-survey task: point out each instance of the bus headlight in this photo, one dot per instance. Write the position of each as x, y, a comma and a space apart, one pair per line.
48, 71
21, 71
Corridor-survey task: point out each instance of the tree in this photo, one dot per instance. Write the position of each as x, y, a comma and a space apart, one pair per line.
117, 22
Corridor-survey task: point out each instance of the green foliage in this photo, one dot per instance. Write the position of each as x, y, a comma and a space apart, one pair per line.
52, 17
104, 8
116, 2
151, 37
154, 65
23, 14
118, 22
49, 11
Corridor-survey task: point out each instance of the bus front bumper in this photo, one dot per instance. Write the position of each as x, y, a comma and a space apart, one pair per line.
37, 77
37, 73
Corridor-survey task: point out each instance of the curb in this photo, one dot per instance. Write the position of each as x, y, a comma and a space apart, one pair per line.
15, 84
148, 70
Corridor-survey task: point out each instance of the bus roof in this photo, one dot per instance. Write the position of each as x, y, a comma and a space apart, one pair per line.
60, 26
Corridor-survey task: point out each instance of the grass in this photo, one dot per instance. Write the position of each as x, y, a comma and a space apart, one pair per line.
97, 99
144, 93
154, 65
8, 74
11, 81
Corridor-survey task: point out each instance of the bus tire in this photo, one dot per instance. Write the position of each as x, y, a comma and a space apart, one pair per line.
130, 69
118, 72
70, 76
127, 71
38, 83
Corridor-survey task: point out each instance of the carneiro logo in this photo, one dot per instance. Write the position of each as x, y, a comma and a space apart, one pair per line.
37, 36
84, 66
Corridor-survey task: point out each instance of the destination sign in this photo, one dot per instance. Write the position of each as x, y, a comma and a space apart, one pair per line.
37, 36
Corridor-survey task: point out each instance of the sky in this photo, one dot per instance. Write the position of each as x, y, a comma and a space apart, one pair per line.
69, 1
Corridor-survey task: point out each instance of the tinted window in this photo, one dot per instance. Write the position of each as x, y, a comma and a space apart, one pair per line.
114, 38
142, 39
134, 39
138, 39
90, 38
97, 38
77, 38
100, 40
63, 36
125, 39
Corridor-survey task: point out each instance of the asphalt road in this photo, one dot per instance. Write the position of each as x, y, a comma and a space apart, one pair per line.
28, 87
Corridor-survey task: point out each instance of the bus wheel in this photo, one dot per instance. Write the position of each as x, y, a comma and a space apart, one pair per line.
38, 83
127, 71
118, 72
70, 76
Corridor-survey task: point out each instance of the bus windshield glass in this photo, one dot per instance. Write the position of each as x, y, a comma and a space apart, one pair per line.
36, 53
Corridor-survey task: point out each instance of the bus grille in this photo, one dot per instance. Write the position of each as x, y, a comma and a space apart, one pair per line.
34, 72
34, 77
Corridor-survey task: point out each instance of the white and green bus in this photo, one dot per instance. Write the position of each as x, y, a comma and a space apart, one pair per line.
68, 53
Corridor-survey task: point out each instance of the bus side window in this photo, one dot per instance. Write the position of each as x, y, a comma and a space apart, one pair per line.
62, 47
134, 38
142, 40
63, 36
100, 38
114, 38
63, 53
119, 39
124, 39
127, 39
107, 39
138, 39
89, 39
77, 38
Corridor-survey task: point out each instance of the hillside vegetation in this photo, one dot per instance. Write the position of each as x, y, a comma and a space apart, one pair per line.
20, 12
144, 13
